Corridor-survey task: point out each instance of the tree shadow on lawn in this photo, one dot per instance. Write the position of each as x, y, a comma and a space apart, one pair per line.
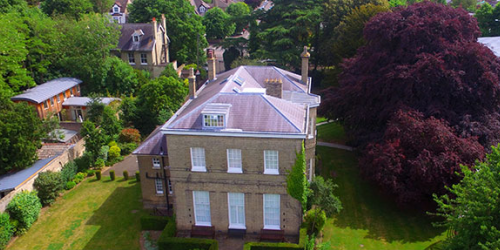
364, 207
118, 219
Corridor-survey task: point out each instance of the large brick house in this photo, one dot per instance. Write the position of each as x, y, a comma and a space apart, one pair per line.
145, 45
222, 159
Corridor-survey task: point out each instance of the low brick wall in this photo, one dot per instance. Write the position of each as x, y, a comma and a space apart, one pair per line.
56, 164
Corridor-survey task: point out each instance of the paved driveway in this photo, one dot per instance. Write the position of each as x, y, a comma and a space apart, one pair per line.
129, 164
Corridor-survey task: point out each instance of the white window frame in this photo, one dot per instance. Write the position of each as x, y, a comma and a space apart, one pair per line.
144, 59
45, 105
131, 58
156, 163
234, 164
78, 88
136, 38
52, 101
268, 167
272, 226
159, 186
198, 163
197, 208
58, 98
71, 92
116, 9
214, 120
170, 188
233, 203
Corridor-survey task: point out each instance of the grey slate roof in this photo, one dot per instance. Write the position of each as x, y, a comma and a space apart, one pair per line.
153, 145
493, 43
47, 90
9, 182
147, 40
82, 101
251, 110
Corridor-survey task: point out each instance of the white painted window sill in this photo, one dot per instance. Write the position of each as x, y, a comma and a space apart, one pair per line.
131, 63
272, 227
144, 64
237, 227
271, 172
235, 171
198, 169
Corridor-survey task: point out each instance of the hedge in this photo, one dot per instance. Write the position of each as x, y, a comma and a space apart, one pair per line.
278, 246
155, 223
6, 230
24, 208
171, 243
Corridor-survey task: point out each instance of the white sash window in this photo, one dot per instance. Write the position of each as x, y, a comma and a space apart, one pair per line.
201, 200
272, 211
236, 203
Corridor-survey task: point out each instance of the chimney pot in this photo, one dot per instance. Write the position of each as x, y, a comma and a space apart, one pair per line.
274, 87
192, 84
211, 64
305, 67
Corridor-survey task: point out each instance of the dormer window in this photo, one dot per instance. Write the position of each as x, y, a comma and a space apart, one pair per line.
215, 115
116, 9
136, 36
202, 9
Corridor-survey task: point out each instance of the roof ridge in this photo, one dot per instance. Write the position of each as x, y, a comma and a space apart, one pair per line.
279, 111
195, 109
290, 80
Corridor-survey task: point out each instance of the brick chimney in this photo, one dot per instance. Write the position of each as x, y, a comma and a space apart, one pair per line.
274, 87
192, 84
211, 64
305, 66
165, 38
155, 27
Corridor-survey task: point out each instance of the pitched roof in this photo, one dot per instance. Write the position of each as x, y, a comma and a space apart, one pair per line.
153, 145
47, 90
251, 110
493, 43
11, 181
122, 4
147, 40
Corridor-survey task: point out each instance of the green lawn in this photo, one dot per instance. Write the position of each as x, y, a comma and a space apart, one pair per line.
94, 215
369, 220
331, 132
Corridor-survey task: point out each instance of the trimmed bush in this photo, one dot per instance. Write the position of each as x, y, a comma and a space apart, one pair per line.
112, 143
129, 135
171, 243
99, 163
84, 162
315, 220
70, 185
79, 178
278, 246
155, 223
112, 174
170, 229
24, 208
127, 148
113, 154
98, 175
6, 230
125, 175
69, 171
48, 184
90, 172
137, 176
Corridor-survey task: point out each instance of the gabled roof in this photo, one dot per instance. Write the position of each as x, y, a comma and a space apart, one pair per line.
493, 43
47, 90
147, 40
251, 110
122, 4
9, 182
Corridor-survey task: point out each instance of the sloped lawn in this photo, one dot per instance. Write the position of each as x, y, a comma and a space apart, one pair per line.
331, 132
94, 215
369, 220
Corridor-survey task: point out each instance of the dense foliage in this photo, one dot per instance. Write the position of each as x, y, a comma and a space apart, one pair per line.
472, 211
184, 28
296, 180
6, 230
421, 58
24, 208
218, 24
321, 195
415, 153
315, 220
240, 12
487, 19
94, 139
20, 135
48, 184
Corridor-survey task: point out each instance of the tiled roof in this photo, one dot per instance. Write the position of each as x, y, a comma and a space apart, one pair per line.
147, 40
153, 145
493, 43
11, 181
47, 90
251, 111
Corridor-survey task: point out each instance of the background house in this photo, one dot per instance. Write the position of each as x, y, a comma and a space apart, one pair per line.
119, 11
145, 46
222, 159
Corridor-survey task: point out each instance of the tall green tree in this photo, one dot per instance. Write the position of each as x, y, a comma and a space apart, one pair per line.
184, 28
471, 210
469, 5
72, 8
218, 24
12, 6
94, 139
321, 195
287, 28
240, 12
20, 135
121, 79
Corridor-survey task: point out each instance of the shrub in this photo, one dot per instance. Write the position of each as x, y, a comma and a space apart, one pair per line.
137, 176
79, 177
172, 243
70, 185
104, 153
155, 223
69, 171
129, 135
98, 175
99, 164
24, 208
280, 245
127, 148
84, 162
315, 220
113, 153
125, 175
6, 230
170, 229
48, 184
112, 174
112, 143
90, 172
